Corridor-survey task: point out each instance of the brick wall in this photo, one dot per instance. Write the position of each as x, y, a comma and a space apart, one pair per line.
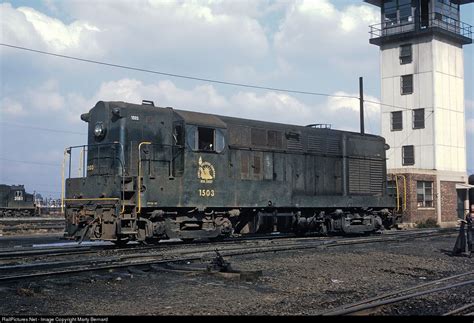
413, 213
448, 201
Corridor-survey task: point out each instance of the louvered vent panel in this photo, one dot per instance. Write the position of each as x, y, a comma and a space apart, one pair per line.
365, 176
333, 147
316, 144
294, 144
376, 176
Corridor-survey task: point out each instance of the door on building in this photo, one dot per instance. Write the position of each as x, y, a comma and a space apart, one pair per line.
462, 194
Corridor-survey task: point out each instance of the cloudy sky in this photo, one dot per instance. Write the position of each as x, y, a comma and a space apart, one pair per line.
316, 45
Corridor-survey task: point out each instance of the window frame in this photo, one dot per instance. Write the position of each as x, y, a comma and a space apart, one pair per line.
403, 55
404, 162
422, 121
392, 128
397, 11
191, 138
424, 188
405, 89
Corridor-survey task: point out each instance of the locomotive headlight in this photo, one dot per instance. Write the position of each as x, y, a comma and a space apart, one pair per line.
99, 130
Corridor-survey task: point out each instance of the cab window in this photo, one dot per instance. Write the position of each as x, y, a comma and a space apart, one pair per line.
205, 139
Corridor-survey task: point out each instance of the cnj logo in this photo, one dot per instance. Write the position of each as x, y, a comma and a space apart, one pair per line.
206, 172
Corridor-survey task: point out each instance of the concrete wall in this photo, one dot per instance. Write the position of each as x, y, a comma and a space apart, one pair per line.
438, 87
450, 129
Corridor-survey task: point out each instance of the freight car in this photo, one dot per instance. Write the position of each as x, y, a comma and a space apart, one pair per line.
15, 202
152, 173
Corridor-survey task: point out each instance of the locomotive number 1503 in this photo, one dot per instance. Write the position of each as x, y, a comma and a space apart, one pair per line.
206, 193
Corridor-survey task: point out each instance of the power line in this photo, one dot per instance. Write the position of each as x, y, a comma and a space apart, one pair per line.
39, 128
29, 162
177, 75
196, 78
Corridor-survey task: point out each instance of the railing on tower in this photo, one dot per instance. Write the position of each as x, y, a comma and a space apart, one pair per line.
425, 22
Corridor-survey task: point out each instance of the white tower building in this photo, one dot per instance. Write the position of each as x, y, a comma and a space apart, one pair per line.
422, 74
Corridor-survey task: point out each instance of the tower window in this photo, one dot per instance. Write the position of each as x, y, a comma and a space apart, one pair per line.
408, 155
397, 12
397, 120
418, 118
405, 54
424, 194
406, 83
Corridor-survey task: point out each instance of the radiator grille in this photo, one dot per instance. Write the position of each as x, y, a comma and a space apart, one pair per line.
294, 144
324, 145
366, 176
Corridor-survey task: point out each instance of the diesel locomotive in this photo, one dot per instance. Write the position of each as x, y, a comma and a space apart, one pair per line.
153, 173
16, 202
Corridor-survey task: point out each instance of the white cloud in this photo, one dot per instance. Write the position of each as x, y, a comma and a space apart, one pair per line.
194, 31
269, 106
54, 32
25, 26
351, 101
46, 98
11, 107
316, 33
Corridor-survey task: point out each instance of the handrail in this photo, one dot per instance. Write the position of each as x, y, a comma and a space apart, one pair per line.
82, 158
139, 185
404, 200
432, 20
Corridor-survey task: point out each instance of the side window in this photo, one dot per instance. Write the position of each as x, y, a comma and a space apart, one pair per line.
178, 135
205, 139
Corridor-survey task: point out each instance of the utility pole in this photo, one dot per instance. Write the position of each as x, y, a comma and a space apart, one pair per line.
361, 100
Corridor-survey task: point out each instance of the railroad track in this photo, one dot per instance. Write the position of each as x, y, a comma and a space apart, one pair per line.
187, 253
82, 249
466, 310
13, 225
375, 304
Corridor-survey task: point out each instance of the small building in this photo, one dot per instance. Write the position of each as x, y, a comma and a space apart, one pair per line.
422, 97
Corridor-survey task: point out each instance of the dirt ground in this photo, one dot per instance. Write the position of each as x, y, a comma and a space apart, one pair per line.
305, 282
